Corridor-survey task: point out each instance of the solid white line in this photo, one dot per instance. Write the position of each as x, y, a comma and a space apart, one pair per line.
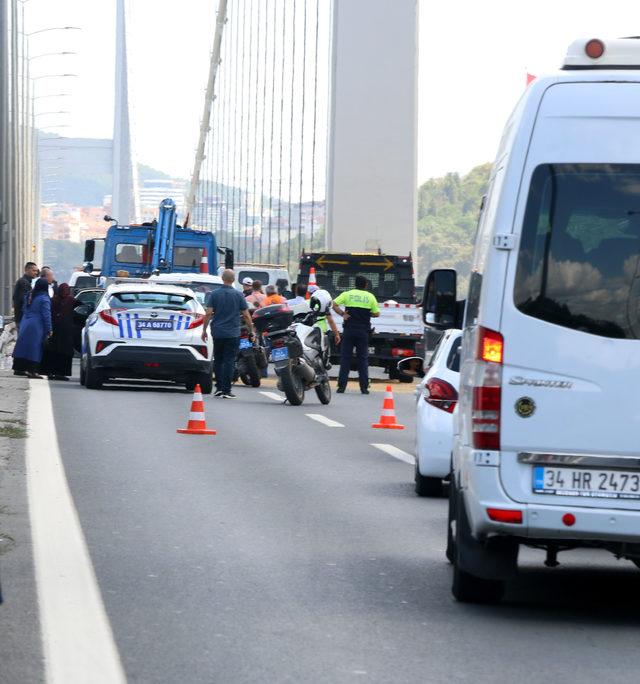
77, 640
274, 396
396, 453
324, 420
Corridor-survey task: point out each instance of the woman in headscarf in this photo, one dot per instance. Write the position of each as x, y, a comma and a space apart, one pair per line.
35, 329
60, 348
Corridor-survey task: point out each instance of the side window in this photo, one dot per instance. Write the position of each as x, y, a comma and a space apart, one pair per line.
128, 254
187, 257
483, 242
436, 351
262, 276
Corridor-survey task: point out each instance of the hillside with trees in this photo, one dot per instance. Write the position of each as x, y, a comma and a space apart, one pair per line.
447, 217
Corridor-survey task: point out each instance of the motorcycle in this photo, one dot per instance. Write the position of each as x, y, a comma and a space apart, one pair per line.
250, 360
299, 352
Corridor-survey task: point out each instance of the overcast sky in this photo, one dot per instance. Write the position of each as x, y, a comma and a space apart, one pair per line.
473, 60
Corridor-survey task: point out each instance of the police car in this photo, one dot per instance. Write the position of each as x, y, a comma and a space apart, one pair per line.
147, 331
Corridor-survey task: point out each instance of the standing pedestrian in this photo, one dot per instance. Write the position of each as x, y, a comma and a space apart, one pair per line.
273, 297
21, 288
224, 308
47, 272
257, 296
60, 347
35, 329
247, 287
301, 295
359, 306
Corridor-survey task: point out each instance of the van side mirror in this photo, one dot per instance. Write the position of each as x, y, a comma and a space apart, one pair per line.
439, 306
412, 367
89, 250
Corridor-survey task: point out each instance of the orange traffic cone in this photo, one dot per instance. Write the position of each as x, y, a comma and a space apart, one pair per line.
312, 282
204, 261
197, 424
388, 415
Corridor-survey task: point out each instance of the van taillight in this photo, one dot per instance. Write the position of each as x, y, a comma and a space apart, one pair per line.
487, 390
441, 394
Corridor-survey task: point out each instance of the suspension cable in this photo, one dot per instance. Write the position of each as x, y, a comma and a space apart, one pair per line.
271, 140
302, 124
293, 79
255, 136
315, 122
284, 36
264, 106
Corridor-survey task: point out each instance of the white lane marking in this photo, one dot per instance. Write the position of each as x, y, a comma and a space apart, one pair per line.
274, 396
396, 453
77, 640
324, 420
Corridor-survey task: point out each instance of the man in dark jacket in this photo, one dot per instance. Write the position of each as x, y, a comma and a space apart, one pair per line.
20, 289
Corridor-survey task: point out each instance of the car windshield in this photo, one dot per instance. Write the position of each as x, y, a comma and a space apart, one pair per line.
579, 258
152, 300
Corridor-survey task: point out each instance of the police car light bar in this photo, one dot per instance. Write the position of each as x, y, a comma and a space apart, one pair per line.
596, 53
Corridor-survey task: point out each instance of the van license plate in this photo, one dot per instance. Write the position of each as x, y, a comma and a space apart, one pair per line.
144, 324
606, 484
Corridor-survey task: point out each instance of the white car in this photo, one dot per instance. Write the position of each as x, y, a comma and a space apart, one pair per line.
545, 450
436, 401
148, 331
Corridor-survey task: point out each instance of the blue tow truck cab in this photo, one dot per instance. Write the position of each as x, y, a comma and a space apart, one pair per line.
160, 246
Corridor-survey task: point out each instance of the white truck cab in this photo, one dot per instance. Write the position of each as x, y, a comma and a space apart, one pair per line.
546, 450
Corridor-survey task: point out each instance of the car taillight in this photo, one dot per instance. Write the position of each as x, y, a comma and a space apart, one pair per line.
397, 351
201, 349
107, 317
487, 390
440, 394
196, 322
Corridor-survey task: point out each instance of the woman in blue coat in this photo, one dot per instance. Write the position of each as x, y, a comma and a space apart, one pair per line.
35, 329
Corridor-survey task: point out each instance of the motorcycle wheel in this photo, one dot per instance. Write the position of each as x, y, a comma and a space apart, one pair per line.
323, 390
292, 386
250, 374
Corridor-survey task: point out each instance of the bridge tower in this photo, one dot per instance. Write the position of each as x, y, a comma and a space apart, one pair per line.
371, 166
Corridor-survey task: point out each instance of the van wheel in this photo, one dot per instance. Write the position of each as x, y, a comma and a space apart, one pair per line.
468, 588
93, 377
427, 486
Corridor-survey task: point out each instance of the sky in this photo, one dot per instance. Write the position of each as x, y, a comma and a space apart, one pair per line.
473, 60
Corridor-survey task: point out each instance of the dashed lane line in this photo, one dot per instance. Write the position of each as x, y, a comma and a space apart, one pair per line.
77, 640
396, 453
324, 420
274, 396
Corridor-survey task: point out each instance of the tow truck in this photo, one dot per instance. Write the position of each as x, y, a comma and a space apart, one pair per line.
399, 331
160, 246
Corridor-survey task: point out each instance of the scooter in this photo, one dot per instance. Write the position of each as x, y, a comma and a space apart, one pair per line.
299, 352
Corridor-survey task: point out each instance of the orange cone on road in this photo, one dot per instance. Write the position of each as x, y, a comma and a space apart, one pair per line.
312, 282
197, 424
388, 415
204, 261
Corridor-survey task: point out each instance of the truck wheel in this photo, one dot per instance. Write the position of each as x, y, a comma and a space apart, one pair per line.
292, 386
250, 373
427, 486
93, 377
468, 588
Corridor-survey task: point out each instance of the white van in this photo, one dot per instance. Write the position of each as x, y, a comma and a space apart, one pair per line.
547, 449
267, 274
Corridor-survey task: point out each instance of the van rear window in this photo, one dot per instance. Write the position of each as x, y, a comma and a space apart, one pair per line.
579, 258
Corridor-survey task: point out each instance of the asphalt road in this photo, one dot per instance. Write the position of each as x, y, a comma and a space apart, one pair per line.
286, 550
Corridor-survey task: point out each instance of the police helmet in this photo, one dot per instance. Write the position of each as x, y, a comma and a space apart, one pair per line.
320, 301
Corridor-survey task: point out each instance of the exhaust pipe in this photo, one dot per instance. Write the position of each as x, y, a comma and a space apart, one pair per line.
306, 371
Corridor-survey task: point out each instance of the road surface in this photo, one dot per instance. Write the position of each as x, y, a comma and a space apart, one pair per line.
289, 549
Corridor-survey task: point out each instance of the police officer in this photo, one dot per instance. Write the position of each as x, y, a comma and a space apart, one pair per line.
356, 308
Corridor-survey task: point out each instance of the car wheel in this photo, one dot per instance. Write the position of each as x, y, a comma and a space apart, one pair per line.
427, 486
468, 588
93, 377
206, 382
83, 373
451, 519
